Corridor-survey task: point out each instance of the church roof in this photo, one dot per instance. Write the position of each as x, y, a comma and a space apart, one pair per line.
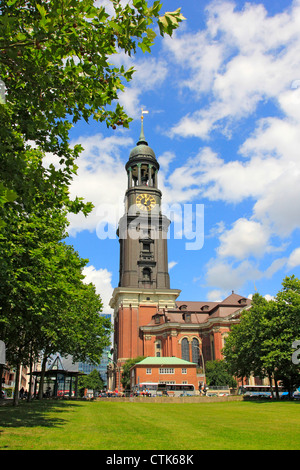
142, 150
233, 300
193, 312
194, 306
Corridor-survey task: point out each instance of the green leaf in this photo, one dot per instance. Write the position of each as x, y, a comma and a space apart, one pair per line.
151, 35
42, 10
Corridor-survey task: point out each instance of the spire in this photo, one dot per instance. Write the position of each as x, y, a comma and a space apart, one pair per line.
142, 139
142, 151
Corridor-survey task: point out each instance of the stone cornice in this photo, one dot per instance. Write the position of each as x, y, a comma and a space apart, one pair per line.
133, 297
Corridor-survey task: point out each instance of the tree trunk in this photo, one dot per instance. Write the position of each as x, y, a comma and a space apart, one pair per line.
276, 387
30, 379
290, 388
17, 379
1, 373
271, 385
43, 370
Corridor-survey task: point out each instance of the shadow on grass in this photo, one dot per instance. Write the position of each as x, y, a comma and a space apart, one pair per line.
269, 400
35, 413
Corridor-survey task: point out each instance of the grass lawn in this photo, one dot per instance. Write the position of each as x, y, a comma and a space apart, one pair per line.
76, 425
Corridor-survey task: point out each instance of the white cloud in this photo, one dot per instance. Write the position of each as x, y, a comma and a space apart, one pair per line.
164, 161
225, 276
101, 278
242, 57
107, 4
172, 264
130, 100
276, 265
216, 295
201, 57
294, 259
100, 180
240, 60
279, 207
246, 238
209, 175
149, 74
268, 297
274, 137
218, 229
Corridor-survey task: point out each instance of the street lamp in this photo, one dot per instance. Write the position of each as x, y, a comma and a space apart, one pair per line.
202, 359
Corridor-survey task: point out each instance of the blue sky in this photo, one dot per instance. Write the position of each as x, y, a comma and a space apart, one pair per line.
223, 97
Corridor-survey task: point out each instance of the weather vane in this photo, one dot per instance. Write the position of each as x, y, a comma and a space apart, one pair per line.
144, 112
142, 139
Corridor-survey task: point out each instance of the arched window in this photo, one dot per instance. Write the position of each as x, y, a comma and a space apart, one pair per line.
195, 351
147, 274
158, 348
185, 353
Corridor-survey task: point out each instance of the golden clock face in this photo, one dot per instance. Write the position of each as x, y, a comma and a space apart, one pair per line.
146, 202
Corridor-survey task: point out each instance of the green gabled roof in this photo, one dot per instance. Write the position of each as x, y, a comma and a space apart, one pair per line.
164, 361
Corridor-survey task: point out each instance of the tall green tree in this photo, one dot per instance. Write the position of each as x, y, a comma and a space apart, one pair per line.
217, 374
125, 380
92, 381
262, 343
56, 62
243, 345
44, 303
281, 329
71, 323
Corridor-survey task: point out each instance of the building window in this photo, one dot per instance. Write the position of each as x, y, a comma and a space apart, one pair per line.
212, 348
146, 274
224, 337
187, 317
184, 371
146, 247
185, 353
167, 370
195, 351
149, 371
158, 348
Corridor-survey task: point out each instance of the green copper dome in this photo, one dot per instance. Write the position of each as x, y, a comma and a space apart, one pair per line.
142, 148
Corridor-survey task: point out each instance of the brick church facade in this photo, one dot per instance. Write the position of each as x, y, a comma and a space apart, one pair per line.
149, 320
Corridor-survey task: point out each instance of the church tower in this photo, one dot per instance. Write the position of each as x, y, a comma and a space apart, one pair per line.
143, 229
144, 283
